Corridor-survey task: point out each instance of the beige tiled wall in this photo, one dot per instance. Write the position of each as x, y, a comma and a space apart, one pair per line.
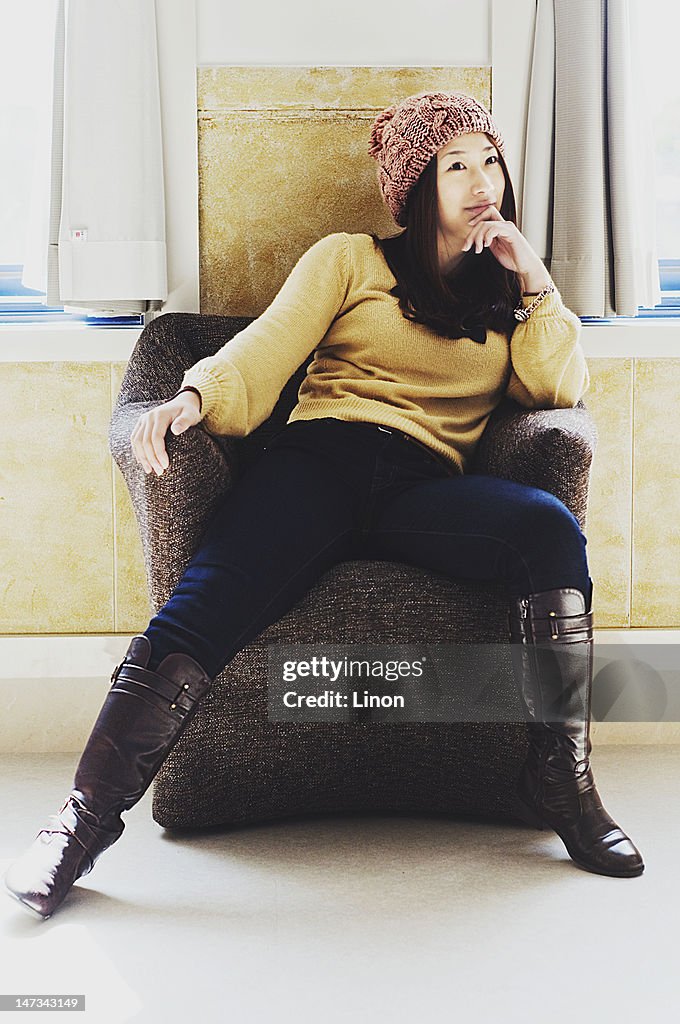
656, 494
71, 559
610, 505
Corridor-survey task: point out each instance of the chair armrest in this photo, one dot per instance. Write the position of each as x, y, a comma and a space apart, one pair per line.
173, 510
547, 448
168, 346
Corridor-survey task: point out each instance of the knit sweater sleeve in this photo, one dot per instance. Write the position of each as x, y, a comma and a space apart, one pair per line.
240, 384
549, 370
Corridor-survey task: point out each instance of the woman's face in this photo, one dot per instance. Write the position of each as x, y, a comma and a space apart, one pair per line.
469, 173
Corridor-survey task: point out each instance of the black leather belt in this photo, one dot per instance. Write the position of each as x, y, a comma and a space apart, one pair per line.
430, 451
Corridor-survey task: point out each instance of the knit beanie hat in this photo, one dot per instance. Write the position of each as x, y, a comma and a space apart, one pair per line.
405, 137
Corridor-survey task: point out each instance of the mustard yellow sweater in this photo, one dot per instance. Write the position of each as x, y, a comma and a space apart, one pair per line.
372, 364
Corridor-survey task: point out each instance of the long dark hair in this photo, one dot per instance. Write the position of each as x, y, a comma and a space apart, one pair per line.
478, 291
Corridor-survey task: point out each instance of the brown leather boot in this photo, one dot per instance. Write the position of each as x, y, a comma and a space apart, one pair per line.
552, 651
141, 719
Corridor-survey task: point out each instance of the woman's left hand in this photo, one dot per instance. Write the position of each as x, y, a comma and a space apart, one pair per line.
504, 239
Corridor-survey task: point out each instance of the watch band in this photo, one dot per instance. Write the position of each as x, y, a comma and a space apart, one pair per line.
523, 314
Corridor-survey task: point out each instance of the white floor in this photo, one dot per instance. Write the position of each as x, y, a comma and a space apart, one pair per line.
354, 919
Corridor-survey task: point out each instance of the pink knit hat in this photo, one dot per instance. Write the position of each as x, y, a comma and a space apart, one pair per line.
406, 136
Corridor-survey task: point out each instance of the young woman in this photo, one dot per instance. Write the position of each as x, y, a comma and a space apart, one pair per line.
416, 339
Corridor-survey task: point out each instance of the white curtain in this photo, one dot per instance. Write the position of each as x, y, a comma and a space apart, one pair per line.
589, 200
102, 249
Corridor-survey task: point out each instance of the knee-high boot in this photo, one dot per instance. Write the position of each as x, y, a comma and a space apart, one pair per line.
142, 718
552, 652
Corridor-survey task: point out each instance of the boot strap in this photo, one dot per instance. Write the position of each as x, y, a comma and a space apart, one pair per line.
180, 695
565, 628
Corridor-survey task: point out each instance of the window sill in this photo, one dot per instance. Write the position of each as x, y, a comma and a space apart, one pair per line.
66, 342
632, 339
629, 339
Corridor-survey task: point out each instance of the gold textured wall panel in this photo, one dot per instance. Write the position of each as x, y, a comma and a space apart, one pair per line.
56, 566
71, 558
656, 489
283, 161
609, 400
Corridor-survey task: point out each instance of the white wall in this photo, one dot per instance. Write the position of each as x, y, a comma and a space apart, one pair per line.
354, 32
396, 34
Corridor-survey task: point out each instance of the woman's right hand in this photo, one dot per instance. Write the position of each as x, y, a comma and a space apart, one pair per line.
148, 436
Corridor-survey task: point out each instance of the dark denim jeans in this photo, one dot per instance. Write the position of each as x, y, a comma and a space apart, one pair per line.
327, 491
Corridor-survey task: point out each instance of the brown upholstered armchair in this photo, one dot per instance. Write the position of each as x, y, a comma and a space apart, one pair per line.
233, 764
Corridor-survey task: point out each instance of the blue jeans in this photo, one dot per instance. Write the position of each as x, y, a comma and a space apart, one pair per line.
327, 491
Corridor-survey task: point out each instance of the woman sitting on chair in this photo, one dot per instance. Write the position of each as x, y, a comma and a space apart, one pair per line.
416, 339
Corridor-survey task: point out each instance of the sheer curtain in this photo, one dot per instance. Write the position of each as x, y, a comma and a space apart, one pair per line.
102, 249
588, 204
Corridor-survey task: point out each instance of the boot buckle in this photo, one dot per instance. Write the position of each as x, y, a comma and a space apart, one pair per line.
173, 706
554, 631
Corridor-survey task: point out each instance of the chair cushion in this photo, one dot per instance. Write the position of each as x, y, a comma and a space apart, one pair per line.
233, 765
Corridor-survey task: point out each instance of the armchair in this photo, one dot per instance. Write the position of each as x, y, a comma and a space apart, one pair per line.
232, 765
